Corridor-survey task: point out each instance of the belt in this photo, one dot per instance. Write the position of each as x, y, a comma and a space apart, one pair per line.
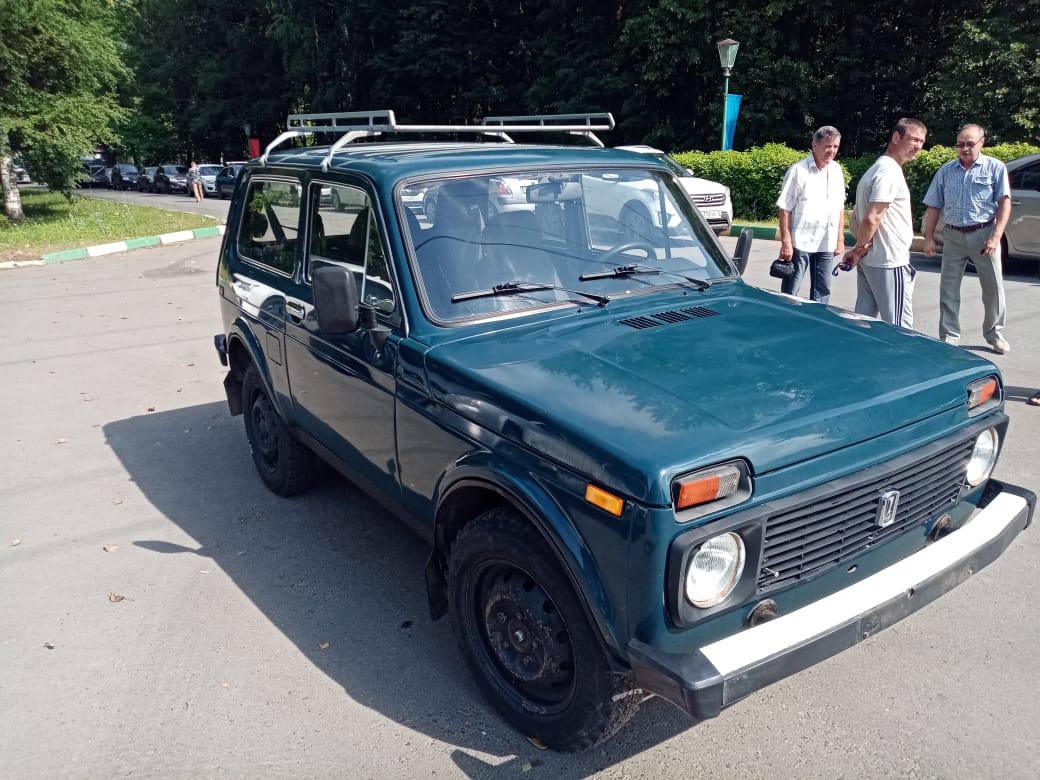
970, 228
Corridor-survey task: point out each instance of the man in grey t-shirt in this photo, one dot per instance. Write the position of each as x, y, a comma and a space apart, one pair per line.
885, 278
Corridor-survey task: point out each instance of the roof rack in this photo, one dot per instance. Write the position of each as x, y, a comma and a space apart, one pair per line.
366, 124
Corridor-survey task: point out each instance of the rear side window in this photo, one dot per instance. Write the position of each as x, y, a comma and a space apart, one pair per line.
268, 233
344, 231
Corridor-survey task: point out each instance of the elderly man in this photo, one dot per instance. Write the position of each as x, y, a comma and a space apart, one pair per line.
885, 278
974, 196
812, 216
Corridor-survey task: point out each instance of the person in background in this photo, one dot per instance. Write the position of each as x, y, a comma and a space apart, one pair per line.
885, 230
195, 181
974, 197
812, 216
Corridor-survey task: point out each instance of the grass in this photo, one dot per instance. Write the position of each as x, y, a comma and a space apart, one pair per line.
53, 223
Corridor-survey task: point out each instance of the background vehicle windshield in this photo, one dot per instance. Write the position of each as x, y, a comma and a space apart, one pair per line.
209, 170
552, 227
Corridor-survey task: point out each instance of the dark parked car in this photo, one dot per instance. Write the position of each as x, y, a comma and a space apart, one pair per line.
171, 178
103, 177
637, 474
124, 176
146, 179
226, 179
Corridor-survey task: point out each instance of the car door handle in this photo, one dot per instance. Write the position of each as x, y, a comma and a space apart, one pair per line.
295, 311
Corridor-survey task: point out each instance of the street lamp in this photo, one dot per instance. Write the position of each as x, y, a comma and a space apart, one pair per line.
727, 56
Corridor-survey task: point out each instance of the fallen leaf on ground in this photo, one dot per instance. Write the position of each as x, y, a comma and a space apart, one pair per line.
49, 645
537, 743
118, 501
115, 598
61, 441
325, 645
110, 547
526, 767
151, 408
15, 542
225, 685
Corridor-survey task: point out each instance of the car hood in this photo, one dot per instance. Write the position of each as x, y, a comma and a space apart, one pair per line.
768, 378
696, 186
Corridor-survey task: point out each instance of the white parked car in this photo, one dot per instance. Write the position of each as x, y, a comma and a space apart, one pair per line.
710, 197
209, 178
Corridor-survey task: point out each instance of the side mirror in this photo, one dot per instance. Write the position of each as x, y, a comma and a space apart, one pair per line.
743, 251
335, 300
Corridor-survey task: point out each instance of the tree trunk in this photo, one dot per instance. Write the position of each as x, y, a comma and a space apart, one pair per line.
9, 184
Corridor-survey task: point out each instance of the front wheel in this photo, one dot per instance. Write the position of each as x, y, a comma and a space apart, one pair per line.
285, 465
527, 639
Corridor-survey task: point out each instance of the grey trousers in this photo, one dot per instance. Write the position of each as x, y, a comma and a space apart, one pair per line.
886, 293
958, 248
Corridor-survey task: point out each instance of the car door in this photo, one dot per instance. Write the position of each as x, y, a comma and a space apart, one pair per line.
1023, 230
343, 387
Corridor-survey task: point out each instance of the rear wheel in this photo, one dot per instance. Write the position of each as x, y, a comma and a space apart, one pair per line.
285, 465
527, 639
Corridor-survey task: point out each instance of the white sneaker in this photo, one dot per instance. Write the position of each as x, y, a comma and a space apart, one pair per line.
1000, 346
954, 340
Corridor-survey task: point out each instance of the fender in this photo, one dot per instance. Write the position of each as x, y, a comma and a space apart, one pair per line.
241, 333
534, 502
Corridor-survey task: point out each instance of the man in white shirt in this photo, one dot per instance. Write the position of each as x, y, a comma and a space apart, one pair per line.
885, 278
812, 216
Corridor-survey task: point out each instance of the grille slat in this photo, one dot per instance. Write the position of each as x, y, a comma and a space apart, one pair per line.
669, 317
807, 540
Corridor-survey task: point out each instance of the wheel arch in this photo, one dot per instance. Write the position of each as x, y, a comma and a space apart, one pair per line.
244, 351
474, 490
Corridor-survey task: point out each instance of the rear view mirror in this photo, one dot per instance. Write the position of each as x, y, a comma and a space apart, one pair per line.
335, 300
743, 251
554, 192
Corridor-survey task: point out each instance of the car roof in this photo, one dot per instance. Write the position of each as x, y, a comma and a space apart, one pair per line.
396, 161
1019, 162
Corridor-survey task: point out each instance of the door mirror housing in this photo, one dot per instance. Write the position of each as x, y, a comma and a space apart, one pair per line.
335, 300
743, 250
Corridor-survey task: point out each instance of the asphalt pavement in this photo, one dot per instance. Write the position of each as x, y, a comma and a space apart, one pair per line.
163, 614
211, 206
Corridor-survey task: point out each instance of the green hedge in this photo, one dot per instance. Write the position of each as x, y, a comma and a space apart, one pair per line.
754, 177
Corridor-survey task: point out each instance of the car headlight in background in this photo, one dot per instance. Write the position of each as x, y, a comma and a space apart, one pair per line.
983, 457
714, 570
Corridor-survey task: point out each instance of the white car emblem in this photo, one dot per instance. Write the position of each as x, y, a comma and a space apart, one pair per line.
886, 511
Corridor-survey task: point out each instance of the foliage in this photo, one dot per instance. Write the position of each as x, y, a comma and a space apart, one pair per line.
59, 64
54, 222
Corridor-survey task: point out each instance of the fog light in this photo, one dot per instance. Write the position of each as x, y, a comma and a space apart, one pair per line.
983, 458
715, 570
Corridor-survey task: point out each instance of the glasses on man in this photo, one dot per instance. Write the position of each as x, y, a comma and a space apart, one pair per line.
967, 144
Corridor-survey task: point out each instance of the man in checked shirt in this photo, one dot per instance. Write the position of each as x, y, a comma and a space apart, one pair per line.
974, 196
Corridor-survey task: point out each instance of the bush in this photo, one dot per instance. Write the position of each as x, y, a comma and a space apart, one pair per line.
755, 176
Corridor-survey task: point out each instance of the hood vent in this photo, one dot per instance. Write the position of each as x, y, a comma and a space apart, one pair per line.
669, 317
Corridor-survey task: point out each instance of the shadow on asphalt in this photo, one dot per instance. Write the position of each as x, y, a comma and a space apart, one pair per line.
333, 566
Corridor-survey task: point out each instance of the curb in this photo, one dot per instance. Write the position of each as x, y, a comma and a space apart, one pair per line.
767, 233
81, 253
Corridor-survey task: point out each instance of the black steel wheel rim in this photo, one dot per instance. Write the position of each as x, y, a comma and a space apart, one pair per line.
265, 432
524, 636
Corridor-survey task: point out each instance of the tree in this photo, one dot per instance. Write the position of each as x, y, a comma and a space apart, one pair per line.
59, 65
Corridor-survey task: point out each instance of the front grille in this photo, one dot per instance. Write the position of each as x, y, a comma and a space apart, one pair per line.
810, 538
711, 199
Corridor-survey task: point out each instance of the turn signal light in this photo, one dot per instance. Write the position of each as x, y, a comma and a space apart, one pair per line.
981, 391
710, 485
608, 502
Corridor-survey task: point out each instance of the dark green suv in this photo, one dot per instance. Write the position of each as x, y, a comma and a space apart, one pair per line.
637, 474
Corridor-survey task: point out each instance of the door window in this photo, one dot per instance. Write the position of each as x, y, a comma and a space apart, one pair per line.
344, 232
269, 228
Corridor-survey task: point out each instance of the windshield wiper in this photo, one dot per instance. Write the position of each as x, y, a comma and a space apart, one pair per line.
631, 270
519, 288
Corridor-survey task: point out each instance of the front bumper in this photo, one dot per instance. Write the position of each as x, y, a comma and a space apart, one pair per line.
725, 671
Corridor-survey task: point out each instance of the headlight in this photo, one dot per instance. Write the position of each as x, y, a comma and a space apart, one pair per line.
983, 457
715, 570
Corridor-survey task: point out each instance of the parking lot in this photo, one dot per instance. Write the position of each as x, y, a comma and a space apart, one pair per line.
163, 613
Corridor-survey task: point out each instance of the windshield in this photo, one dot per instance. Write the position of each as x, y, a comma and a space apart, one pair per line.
209, 170
553, 228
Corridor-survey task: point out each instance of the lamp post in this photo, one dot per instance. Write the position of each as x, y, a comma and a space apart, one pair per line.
727, 56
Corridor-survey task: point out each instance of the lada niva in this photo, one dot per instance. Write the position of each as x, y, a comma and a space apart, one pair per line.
638, 474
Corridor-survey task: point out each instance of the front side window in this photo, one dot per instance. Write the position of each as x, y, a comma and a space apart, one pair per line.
607, 231
269, 228
344, 232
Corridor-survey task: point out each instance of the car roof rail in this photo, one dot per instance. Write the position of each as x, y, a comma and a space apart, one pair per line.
366, 124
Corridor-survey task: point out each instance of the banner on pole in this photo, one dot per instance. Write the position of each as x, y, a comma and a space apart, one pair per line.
732, 109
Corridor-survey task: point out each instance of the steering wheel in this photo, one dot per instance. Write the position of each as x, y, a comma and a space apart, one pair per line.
651, 252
